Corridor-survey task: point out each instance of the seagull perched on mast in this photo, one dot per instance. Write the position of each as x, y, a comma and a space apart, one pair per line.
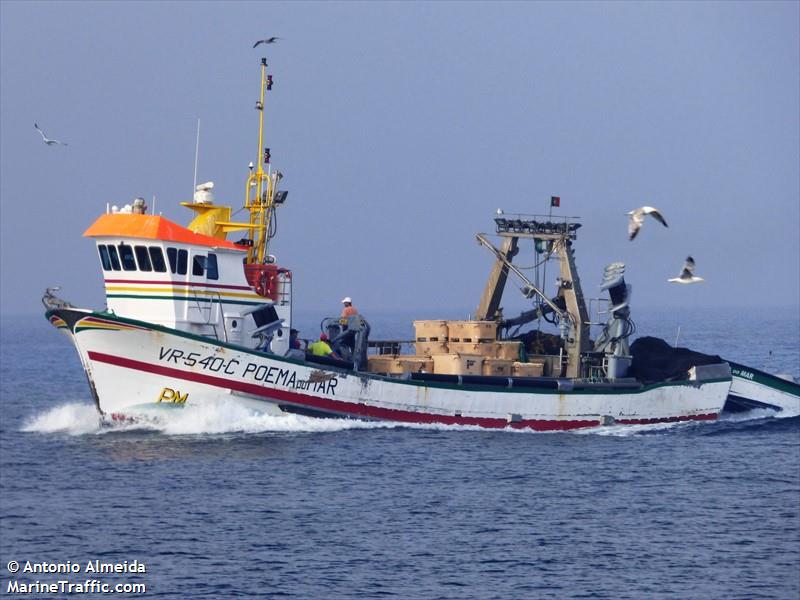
46, 139
271, 40
687, 275
636, 219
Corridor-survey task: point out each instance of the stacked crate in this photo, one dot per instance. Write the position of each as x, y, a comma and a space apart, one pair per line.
527, 369
471, 331
457, 364
470, 340
458, 348
430, 337
399, 363
496, 367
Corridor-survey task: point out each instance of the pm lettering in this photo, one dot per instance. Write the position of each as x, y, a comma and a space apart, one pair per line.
173, 396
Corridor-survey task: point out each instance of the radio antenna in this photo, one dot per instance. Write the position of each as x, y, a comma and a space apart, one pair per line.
196, 155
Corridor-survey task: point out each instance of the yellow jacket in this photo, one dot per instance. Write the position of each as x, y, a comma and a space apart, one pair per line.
320, 348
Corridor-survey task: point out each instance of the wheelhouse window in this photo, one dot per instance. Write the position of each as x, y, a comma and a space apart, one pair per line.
178, 260
157, 258
183, 261
172, 257
143, 258
199, 265
212, 271
104, 258
112, 254
126, 254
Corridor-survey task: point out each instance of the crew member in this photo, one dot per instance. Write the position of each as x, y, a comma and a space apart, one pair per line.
321, 347
294, 341
349, 310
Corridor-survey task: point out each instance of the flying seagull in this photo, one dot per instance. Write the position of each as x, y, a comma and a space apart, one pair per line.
636, 219
271, 40
687, 275
46, 139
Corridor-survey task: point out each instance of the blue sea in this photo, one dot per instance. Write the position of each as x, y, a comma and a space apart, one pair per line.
222, 503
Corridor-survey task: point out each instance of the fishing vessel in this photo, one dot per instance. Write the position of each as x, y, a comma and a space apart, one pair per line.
193, 318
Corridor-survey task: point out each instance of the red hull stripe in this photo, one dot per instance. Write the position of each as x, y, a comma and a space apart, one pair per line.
177, 283
351, 409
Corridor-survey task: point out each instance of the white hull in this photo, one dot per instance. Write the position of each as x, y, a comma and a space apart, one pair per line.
132, 365
752, 388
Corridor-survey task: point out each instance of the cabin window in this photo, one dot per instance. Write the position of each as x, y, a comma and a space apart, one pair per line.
172, 257
199, 265
104, 257
157, 258
183, 260
126, 254
177, 260
212, 271
143, 258
112, 254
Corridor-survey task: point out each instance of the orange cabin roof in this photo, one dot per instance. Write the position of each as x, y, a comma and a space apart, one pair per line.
152, 227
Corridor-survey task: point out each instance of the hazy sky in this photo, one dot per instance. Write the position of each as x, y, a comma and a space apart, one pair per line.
402, 127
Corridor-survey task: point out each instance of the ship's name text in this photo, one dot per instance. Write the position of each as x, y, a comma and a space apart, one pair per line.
745, 374
281, 376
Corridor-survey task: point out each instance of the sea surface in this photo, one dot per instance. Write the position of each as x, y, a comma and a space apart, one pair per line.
222, 503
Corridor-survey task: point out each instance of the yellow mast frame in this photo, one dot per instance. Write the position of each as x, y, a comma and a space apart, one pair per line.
257, 199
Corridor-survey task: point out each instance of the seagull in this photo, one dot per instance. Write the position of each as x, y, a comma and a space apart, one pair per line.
686, 275
47, 140
637, 216
271, 40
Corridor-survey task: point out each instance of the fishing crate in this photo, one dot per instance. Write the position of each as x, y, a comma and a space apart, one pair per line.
431, 348
527, 369
496, 367
485, 349
430, 331
457, 364
507, 350
400, 363
471, 331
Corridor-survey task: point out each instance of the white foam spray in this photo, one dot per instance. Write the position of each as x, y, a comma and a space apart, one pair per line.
78, 418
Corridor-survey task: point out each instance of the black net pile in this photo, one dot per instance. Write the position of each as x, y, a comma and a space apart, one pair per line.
655, 360
539, 342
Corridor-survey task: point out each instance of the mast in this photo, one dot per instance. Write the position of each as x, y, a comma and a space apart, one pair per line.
261, 197
260, 189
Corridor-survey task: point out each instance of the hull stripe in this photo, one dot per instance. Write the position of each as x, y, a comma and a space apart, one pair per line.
352, 409
185, 292
222, 300
244, 288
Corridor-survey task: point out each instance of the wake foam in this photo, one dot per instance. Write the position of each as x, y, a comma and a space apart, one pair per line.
634, 430
74, 419
223, 417
756, 414
215, 418
226, 417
